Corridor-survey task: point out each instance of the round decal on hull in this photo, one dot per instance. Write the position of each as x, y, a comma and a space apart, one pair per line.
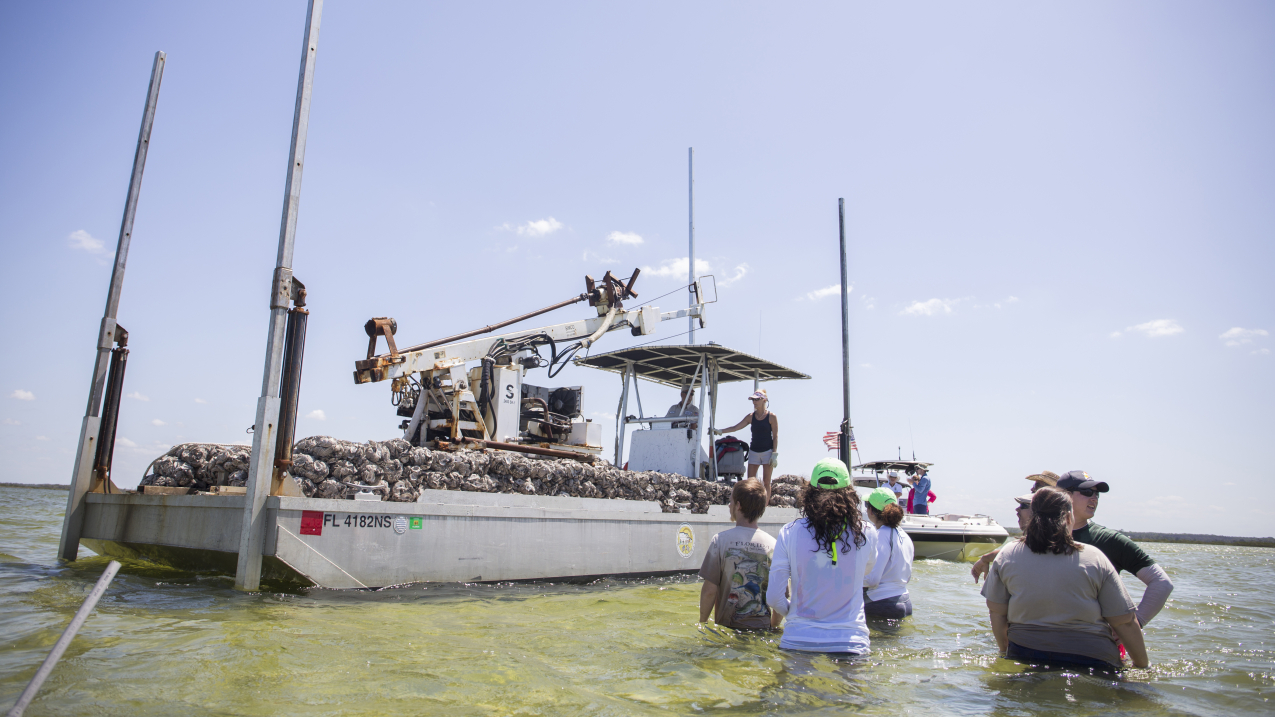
685, 540
400, 525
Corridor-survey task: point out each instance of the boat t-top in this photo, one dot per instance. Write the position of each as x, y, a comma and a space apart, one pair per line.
949, 536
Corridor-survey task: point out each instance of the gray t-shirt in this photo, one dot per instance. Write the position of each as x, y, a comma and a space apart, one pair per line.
738, 563
1057, 602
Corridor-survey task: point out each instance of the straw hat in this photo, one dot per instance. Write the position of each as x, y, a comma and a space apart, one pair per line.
1046, 477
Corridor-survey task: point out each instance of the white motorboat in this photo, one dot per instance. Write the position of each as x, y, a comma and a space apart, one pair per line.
945, 536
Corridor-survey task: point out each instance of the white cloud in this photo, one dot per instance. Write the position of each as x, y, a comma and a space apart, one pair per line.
930, 308
1238, 336
157, 422
1154, 329
22, 395
1260, 352
730, 276
200, 400
869, 302
534, 228
41, 438
595, 258
865, 365
10, 422
630, 238
317, 414
137, 395
1005, 302
817, 294
676, 269
80, 239
126, 443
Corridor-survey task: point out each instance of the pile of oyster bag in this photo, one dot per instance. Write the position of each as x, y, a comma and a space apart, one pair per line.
326, 467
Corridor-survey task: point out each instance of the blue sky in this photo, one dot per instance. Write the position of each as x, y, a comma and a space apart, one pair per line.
1059, 217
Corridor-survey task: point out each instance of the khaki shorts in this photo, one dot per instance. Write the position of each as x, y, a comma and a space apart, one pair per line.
759, 459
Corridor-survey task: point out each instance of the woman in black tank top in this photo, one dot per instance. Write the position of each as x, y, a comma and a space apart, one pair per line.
763, 450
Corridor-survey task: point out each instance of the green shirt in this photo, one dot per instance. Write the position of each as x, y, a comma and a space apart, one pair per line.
1123, 553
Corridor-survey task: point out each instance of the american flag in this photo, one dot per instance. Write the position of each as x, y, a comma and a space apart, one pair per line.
832, 439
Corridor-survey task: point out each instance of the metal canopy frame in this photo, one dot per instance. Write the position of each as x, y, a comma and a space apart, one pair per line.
881, 466
675, 365
706, 366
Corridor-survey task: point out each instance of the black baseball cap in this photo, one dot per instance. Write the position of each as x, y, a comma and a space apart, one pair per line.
1079, 480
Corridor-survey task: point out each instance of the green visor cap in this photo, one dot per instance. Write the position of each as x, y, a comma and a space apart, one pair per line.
830, 473
881, 497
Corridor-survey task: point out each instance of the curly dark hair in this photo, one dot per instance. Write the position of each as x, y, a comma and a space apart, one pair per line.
890, 516
829, 512
1050, 528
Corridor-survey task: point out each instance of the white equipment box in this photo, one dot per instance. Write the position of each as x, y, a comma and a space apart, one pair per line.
666, 451
586, 434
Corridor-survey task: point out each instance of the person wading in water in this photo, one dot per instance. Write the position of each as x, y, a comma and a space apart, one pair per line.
763, 450
825, 553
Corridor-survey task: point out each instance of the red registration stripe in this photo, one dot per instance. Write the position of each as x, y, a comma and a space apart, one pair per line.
312, 522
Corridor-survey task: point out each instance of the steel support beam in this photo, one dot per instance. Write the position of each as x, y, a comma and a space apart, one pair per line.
266, 427
82, 474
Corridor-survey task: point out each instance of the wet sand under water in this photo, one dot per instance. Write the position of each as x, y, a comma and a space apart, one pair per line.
164, 641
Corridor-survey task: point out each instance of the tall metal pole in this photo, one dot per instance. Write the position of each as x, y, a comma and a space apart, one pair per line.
845, 338
82, 475
690, 266
252, 529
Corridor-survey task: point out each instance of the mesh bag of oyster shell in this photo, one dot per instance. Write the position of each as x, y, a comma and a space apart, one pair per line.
201, 465
326, 467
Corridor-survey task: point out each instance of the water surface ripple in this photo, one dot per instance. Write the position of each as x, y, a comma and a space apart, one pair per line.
164, 641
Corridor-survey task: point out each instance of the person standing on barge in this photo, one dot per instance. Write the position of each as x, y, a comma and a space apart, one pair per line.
763, 450
684, 407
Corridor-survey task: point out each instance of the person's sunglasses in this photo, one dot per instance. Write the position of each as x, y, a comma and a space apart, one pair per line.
1086, 492
1020, 507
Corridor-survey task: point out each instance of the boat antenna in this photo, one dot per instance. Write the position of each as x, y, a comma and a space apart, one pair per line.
690, 203
911, 438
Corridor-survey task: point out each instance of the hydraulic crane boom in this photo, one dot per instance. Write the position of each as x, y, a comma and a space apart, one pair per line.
432, 386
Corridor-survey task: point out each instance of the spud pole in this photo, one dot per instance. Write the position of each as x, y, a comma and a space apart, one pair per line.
266, 427
845, 338
82, 474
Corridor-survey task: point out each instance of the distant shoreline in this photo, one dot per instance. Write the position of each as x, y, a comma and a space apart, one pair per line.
1192, 538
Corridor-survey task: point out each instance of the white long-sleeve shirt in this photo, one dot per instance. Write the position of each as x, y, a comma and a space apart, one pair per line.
889, 577
826, 610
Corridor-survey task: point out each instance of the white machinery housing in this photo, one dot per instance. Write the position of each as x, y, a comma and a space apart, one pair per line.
471, 387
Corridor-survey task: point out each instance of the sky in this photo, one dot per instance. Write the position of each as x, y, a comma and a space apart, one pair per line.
1059, 221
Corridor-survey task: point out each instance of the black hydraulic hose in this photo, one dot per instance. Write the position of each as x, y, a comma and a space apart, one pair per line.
290, 387
485, 395
110, 416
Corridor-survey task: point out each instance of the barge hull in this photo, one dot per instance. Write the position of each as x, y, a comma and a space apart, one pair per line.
449, 536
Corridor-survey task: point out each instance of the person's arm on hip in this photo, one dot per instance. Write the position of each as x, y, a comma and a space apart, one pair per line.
1159, 587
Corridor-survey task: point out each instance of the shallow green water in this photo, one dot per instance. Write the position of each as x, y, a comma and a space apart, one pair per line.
166, 642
